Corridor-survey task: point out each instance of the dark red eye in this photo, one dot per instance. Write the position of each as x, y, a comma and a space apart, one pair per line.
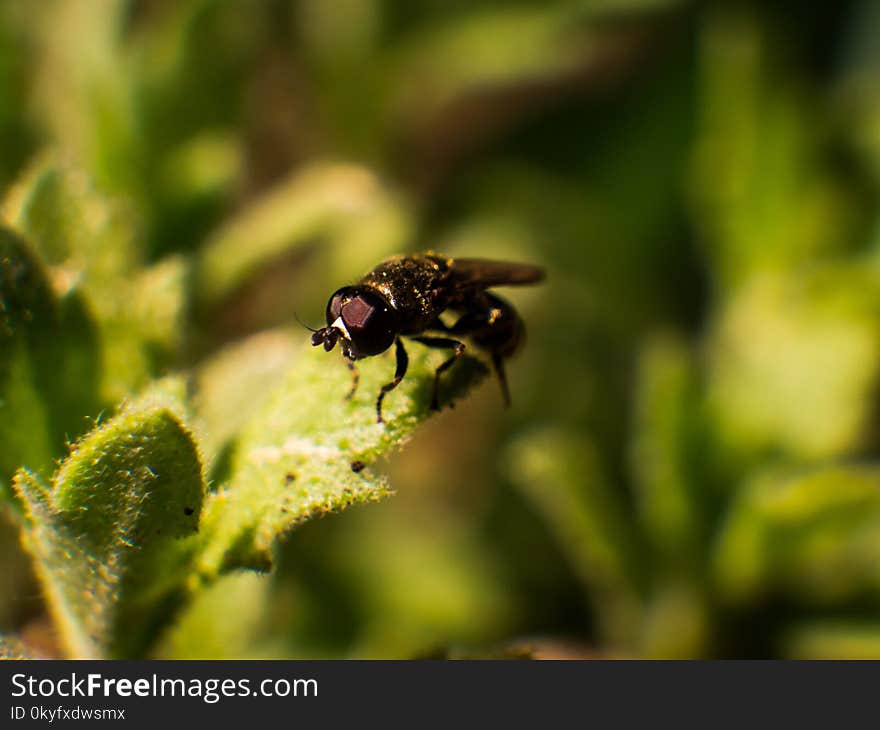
370, 320
334, 306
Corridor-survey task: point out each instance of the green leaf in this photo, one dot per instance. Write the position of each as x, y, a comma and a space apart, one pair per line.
794, 361
342, 204
814, 537
90, 238
71, 223
49, 366
83, 88
677, 623
17, 54
859, 97
307, 451
481, 48
25, 293
664, 451
561, 474
25, 419
665, 455
27, 310
222, 622
155, 307
833, 639
455, 592
202, 166
765, 200
232, 385
105, 535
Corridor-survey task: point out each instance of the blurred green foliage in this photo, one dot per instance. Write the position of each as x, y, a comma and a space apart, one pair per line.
690, 468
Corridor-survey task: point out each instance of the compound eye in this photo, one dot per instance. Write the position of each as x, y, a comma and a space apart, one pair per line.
337, 301
370, 321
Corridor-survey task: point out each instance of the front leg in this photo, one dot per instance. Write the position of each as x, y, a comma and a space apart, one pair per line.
448, 344
402, 364
355, 378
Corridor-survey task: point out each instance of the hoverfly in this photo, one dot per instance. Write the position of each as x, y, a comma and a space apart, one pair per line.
405, 296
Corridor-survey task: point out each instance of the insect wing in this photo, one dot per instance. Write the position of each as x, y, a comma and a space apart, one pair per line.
482, 273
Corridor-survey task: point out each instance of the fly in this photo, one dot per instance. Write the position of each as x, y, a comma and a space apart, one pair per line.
405, 296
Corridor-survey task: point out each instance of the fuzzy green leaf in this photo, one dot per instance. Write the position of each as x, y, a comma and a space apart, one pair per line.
232, 385
105, 536
306, 452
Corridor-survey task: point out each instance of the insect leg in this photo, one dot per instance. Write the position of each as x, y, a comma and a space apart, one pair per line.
494, 326
446, 343
355, 378
498, 364
402, 364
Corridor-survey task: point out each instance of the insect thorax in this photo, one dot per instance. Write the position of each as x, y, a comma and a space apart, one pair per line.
414, 286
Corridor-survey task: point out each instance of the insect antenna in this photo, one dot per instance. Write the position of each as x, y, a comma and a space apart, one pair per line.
296, 317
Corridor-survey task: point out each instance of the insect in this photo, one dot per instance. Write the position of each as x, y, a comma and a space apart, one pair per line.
405, 296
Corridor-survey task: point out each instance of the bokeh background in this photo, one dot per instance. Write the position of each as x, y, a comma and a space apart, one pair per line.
690, 467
